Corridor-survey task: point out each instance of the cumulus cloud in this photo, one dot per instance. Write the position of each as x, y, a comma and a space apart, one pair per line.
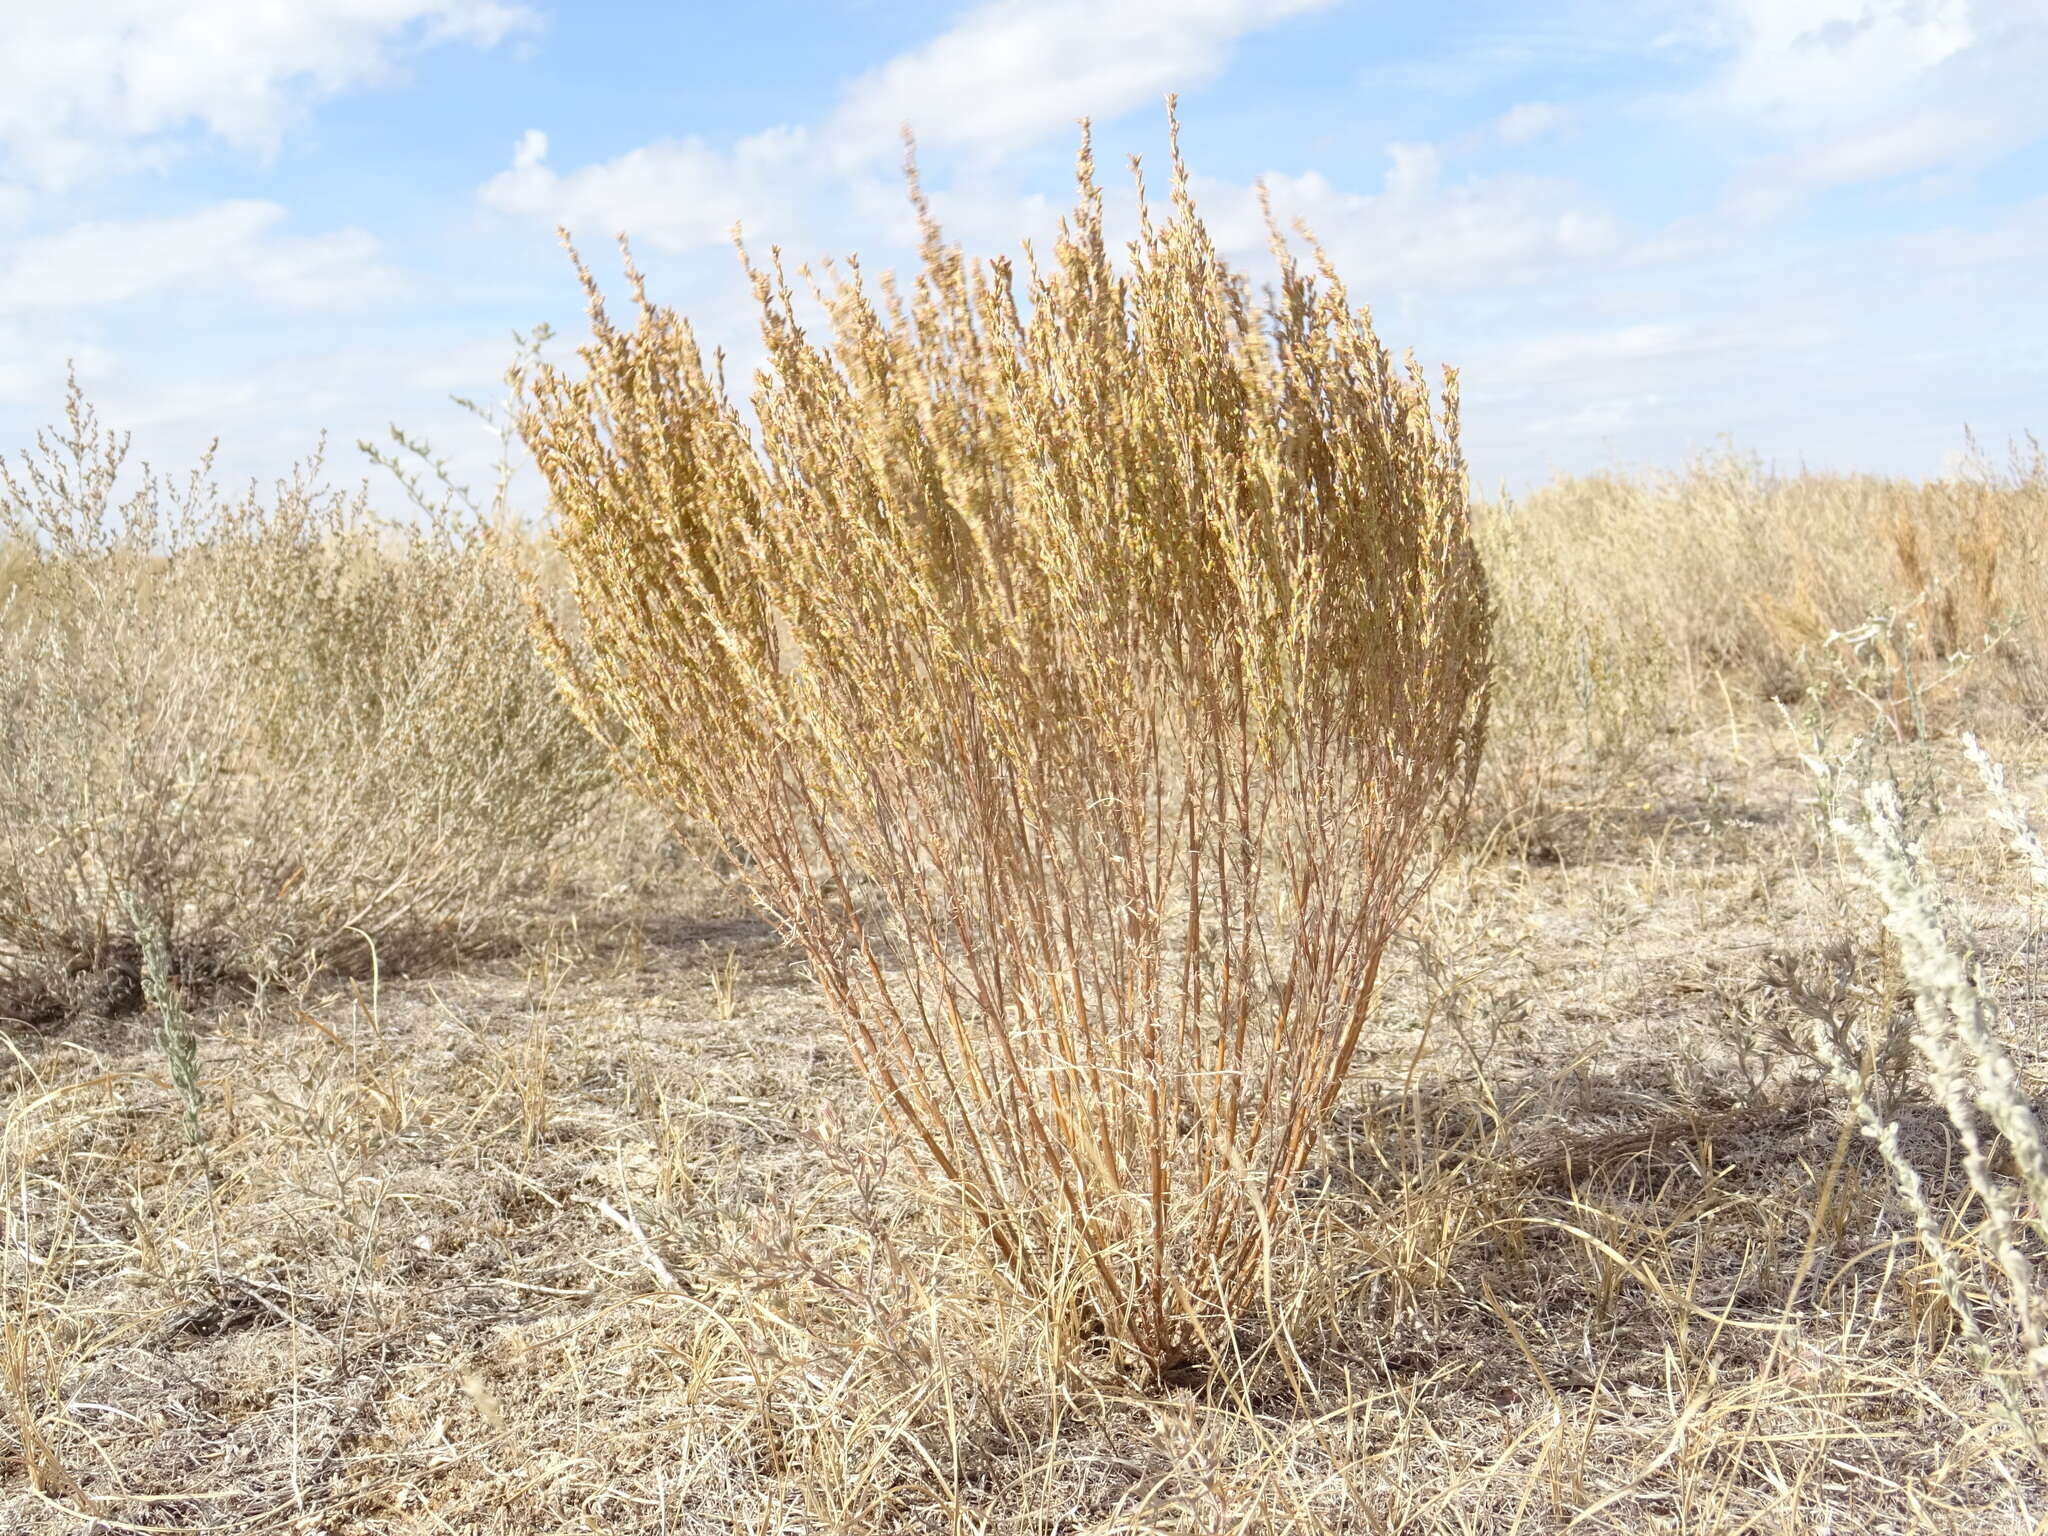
1834, 92
1421, 231
1000, 79
231, 247
674, 195
1010, 72
1531, 120
1810, 62
94, 85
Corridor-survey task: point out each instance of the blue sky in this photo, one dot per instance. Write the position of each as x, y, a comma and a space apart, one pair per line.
1815, 228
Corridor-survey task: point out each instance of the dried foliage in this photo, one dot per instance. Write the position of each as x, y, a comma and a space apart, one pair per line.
1764, 581
1084, 666
1628, 607
1581, 694
610, 1240
286, 731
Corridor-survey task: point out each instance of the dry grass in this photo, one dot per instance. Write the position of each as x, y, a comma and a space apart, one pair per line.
556, 1245
1086, 671
1583, 691
287, 732
1751, 579
1631, 608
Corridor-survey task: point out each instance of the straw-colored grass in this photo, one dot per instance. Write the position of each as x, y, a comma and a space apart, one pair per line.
608, 1238
1749, 578
1632, 607
1583, 691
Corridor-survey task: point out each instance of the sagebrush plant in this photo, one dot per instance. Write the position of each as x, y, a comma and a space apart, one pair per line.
1974, 1078
1084, 666
286, 730
2008, 811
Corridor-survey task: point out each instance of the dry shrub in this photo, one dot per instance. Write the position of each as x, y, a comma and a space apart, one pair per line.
1754, 578
1083, 676
286, 732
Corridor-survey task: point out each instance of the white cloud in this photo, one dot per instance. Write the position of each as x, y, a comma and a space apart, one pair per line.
1846, 91
1597, 420
274, 412
1910, 143
1814, 62
1419, 233
1532, 120
674, 195
1002, 78
2005, 255
230, 248
1868, 352
271, 412
32, 367
1012, 71
1540, 359
92, 85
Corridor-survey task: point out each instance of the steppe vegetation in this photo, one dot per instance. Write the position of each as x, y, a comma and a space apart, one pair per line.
930, 1085
295, 735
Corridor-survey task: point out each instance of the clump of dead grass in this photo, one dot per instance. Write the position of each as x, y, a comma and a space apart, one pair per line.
1084, 667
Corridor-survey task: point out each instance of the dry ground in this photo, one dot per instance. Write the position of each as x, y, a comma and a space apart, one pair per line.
601, 1237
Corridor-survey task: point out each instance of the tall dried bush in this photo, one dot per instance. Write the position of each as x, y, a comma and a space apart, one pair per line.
1083, 665
284, 730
